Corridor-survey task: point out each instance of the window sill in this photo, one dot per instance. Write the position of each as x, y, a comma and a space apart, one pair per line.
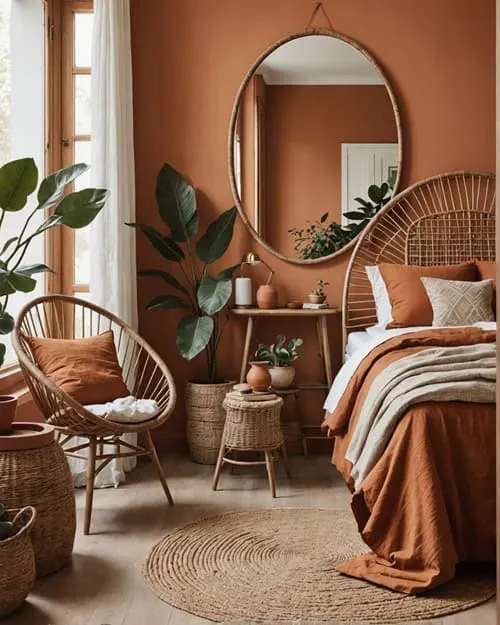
12, 383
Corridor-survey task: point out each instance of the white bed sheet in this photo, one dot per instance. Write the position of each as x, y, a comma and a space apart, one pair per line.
361, 346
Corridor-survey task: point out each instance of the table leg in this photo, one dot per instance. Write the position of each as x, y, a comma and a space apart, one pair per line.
270, 472
246, 349
326, 351
319, 331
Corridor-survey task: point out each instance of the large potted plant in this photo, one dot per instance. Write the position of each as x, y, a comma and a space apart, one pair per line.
18, 181
201, 296
280, 356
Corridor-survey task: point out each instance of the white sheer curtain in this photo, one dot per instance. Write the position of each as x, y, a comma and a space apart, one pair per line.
113, 264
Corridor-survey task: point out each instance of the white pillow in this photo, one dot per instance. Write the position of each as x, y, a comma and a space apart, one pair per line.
380, 295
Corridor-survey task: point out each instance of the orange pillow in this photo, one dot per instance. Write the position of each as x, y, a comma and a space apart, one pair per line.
409, 302
86, 369
487, 270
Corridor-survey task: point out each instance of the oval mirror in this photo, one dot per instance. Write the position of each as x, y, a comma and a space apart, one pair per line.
314, 146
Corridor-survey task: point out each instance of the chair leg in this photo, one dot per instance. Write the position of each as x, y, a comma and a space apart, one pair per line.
156, 461
270, 472
89, 490
218, 466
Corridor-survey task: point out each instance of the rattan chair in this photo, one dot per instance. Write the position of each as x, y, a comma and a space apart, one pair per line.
145, 374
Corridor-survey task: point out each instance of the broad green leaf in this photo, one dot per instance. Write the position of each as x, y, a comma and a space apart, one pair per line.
21, 282
51, 222
6, 323
165, 245
363, 202
52, 187
80, 208
18, 180
227, 274
30, 270
177, 203
166, 302
376, 193
5, 287
217, 238
2, 353
356, 215
7, 244
213, 294
165, 276
193, 335
324, 217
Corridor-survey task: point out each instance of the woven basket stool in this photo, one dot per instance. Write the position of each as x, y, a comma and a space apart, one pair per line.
252, 426
40, 477
17, 562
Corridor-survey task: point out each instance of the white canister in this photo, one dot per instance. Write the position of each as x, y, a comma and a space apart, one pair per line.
243, 292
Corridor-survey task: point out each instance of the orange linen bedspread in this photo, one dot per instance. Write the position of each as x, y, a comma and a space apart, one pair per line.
429, 502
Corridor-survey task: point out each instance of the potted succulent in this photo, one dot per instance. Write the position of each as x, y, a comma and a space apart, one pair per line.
201, 296
18, 181
318, 296
280, 356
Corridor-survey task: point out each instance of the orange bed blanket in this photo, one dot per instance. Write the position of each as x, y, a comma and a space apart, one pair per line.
429, 502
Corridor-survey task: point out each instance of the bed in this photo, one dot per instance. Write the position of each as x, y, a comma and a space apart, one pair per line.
419, 456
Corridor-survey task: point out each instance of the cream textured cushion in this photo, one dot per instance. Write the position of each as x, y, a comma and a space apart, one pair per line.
459, 303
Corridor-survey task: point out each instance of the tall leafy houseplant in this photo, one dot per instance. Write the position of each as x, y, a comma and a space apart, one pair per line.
18, 180
201, 295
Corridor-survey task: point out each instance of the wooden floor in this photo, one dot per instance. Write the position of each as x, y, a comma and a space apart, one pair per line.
104, 586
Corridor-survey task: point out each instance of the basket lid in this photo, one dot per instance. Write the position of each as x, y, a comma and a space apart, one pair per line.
27, 435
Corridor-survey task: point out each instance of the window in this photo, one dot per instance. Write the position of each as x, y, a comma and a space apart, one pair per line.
22, 114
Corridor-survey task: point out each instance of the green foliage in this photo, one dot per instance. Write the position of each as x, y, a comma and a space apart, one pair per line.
280, 354
6, 525
18, 180
204, 295
322, 238
320, 288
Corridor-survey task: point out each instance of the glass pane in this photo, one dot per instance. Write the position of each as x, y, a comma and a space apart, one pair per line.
81, 327
83, 155
82, 256
83, 39
5, 80
82, 104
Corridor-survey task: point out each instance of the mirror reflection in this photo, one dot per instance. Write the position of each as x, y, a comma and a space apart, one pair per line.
315, 146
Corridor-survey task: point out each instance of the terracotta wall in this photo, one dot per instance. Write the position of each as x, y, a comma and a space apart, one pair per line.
306, 126
189, 58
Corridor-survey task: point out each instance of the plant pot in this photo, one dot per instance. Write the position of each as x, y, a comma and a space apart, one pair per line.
267, 296
282, 377
205, 418
8, 405
316, 299
259, 377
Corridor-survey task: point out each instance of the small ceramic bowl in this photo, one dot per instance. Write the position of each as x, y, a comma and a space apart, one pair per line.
294, 303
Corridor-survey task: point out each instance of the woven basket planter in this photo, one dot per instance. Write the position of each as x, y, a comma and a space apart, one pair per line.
205, 419
17, 562
41, 478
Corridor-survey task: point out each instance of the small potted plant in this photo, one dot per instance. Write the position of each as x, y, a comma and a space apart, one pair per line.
318, 296
280, 356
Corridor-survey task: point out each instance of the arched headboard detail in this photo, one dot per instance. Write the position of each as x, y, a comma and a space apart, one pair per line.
443, 220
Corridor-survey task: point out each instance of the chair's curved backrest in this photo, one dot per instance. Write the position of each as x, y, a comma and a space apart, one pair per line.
63, 317
443, 220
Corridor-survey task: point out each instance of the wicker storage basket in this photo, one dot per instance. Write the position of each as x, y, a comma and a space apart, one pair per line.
17, 562
41, 478
253, 426
205, 419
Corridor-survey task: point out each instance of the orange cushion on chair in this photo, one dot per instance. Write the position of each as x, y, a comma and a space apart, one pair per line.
487, 270
409, 302
86, 369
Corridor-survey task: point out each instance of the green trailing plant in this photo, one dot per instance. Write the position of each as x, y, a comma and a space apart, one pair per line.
201, 295
323, 237
280, 354
18, 180
320, 288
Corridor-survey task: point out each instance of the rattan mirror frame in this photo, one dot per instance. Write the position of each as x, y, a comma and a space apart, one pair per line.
232, 126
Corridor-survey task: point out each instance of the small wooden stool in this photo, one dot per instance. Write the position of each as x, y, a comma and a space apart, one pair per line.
252, 426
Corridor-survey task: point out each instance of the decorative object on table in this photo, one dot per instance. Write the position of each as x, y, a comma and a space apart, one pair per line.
146, 377
201, 296
294, 304
18, 180
17, 559
318, 296
280, 356
309, 306
8, 406
243, 292
267, 294
252, 426
36, 474
258, 376
286, 550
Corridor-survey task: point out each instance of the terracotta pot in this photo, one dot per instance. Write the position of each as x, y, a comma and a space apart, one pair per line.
316, 299
8, 405
282, 377
267, 296
259, 377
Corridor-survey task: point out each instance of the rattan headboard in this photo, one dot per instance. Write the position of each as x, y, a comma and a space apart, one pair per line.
442, 220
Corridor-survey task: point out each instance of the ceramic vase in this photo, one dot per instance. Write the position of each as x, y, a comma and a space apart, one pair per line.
316, 299
8, 405
267, 296
259, 377
282, 377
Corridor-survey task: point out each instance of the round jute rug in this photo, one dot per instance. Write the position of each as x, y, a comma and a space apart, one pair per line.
279, 566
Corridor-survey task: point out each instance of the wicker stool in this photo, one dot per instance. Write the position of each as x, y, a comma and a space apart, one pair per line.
252, 426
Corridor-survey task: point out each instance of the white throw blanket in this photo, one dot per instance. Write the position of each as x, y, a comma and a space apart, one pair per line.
464, 373
126, 410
